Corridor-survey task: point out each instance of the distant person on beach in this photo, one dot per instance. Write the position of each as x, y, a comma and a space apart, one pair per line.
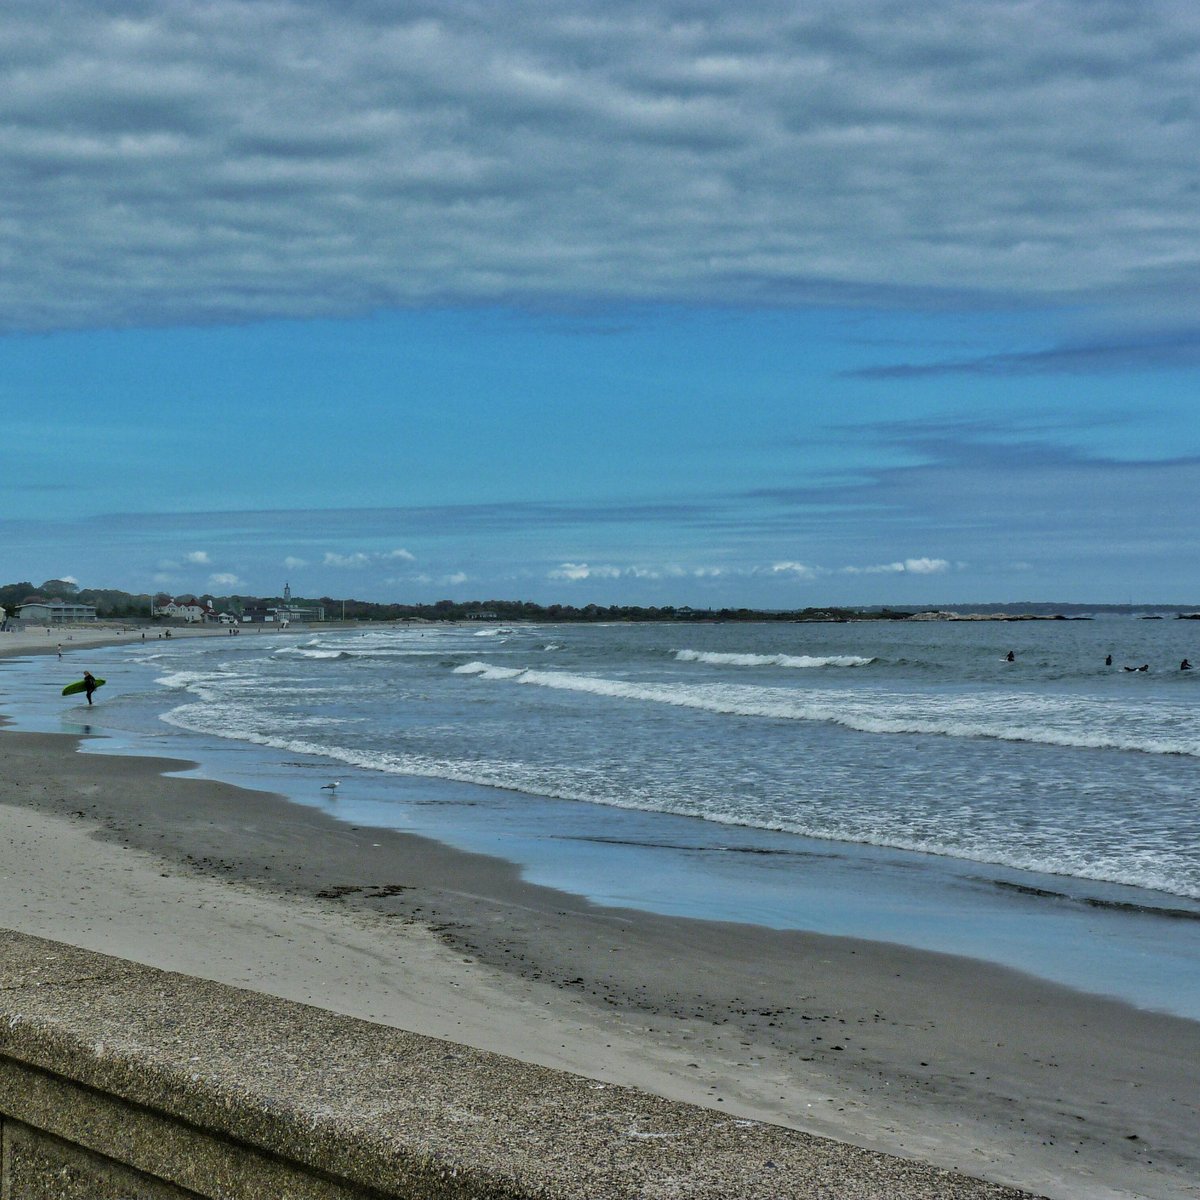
89, 684
1185, 665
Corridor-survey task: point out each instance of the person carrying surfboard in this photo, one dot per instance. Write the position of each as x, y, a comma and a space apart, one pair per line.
89, 684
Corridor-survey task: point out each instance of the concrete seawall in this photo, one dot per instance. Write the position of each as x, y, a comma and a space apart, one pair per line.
121, 1082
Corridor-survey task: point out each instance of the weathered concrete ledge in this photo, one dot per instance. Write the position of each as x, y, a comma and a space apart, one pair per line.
121, 1082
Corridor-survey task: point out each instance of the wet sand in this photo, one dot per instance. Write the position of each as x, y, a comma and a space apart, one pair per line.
943, 1059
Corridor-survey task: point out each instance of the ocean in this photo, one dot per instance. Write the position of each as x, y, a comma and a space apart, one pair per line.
892, 780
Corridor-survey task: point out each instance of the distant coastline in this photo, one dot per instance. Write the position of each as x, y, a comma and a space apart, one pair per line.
126, 606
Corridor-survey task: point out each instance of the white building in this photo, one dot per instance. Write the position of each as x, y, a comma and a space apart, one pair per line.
192, 611
55, 612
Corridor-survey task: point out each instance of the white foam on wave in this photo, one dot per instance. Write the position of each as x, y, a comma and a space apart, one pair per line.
242, 722
333, 650
224, 687
1051, 721
798, 661
1136, 843
489, 670
200, 683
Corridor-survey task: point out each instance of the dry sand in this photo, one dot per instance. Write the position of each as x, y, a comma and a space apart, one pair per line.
951, 1061
48, 639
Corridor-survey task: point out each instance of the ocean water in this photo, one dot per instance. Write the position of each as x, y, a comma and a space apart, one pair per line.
892, 780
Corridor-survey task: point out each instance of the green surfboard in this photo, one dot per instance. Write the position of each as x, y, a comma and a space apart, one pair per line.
74, 688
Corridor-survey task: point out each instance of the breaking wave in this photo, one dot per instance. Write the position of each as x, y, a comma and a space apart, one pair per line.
799, 661
1010, 717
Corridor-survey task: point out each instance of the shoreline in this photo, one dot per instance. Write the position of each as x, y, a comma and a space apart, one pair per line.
1089, 935
943, 1059
43, 639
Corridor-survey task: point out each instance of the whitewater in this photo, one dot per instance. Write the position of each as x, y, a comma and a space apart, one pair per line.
879, 778
923, 738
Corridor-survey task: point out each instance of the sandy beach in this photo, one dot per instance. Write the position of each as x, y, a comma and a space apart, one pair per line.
942, 1059
48, 639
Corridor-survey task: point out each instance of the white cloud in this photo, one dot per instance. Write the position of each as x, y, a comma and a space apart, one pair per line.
798, 569
582, 570
571, 570
455, 577
69, 579
752, 152
575, 571
926, 566
224, 579
199, 557
910, 566
361, 559
163, 577
292, 563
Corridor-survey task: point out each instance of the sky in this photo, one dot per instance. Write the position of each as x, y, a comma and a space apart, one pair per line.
667, 302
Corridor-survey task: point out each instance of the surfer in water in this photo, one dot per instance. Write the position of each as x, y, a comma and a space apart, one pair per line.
89, 684
1108, 661
1185, 665
1010, 657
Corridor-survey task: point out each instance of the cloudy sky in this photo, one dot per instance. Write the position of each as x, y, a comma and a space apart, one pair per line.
672, 301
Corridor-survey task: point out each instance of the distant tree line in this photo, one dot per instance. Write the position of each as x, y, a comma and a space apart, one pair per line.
108, 602
527, 610
112, 603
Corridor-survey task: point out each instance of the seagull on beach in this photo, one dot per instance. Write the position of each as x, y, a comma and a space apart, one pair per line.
332, 787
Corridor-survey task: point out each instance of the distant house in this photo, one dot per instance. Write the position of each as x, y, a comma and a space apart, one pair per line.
282, 614
301, 612
196, 611
186, 609
55, 612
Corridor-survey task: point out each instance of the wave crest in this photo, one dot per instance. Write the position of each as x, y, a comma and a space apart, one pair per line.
798, 661
1005, 718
